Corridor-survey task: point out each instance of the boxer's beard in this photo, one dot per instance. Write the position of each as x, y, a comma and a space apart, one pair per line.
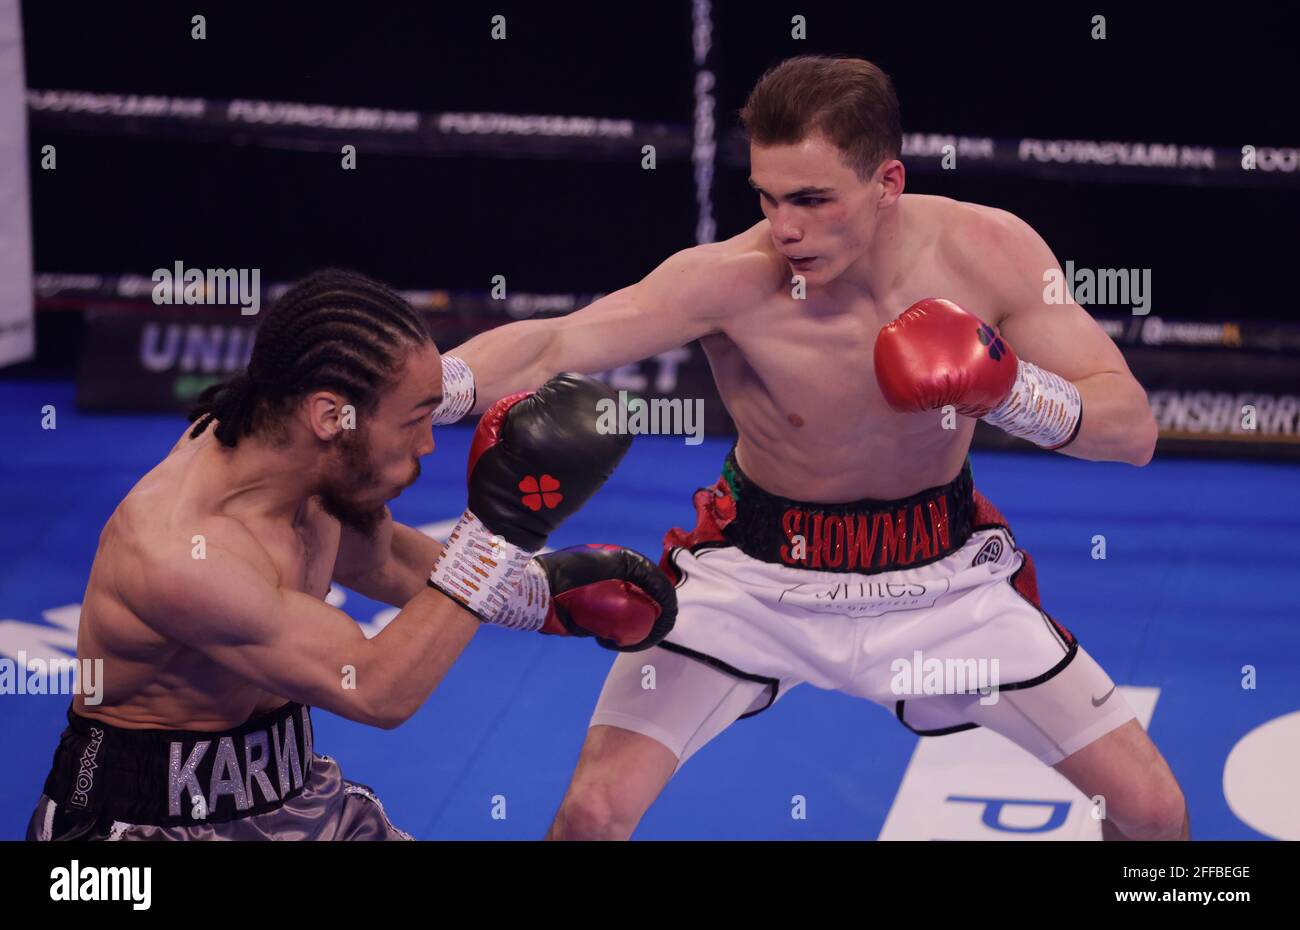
356, 472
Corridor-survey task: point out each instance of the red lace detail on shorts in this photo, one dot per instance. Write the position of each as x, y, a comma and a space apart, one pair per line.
1025, 580
715, 508
986, 513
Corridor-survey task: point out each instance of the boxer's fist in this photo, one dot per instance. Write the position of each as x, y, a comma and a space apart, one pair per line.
937, 354
537, 457
614, 594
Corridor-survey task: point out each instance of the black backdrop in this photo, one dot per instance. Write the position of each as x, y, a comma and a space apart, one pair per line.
1222, 76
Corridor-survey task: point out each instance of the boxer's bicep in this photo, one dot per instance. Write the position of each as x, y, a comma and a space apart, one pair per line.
286, 642
361, 555
393, 572
308, 652
690, 295
618, 329
1059, 335
1062, 339
1042, 328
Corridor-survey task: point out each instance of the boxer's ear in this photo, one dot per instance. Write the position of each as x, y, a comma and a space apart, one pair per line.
892, 177
328, 414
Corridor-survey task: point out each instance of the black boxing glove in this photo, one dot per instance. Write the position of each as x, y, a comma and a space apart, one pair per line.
536, 457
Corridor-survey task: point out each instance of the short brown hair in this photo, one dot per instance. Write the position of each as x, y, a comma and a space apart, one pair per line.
849, 101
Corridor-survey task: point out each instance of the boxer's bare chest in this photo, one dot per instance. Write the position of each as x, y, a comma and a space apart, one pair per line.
155, 679
302, 554
798, 378
295, 557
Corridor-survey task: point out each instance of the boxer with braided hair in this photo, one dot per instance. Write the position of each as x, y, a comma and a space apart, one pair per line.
206, 599
335, 328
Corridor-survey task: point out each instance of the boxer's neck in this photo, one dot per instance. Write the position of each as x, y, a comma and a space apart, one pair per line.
877, 268
268, 481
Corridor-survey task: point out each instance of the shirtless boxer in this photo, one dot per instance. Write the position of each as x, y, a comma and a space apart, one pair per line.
845, 533
206, 596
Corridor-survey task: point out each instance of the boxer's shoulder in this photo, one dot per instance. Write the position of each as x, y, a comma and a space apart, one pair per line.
185, 441
979, 239
749, 265
996, 256
717, 279
746, 258
150, 530
210, 580
167, 554
753, 249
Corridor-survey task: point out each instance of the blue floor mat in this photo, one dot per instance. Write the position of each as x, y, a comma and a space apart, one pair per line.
1198, 582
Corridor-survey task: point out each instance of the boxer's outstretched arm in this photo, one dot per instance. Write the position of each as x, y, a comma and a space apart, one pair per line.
229, 607
1064, 338
694, 293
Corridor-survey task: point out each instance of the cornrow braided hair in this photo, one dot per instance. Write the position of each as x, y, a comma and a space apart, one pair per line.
333, 330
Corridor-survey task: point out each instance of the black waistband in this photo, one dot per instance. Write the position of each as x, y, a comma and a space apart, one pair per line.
181, 777
865, 536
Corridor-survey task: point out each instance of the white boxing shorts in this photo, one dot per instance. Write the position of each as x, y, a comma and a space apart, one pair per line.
924, 606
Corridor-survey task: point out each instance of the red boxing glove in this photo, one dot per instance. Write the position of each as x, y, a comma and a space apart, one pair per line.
937, 354
615, 594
